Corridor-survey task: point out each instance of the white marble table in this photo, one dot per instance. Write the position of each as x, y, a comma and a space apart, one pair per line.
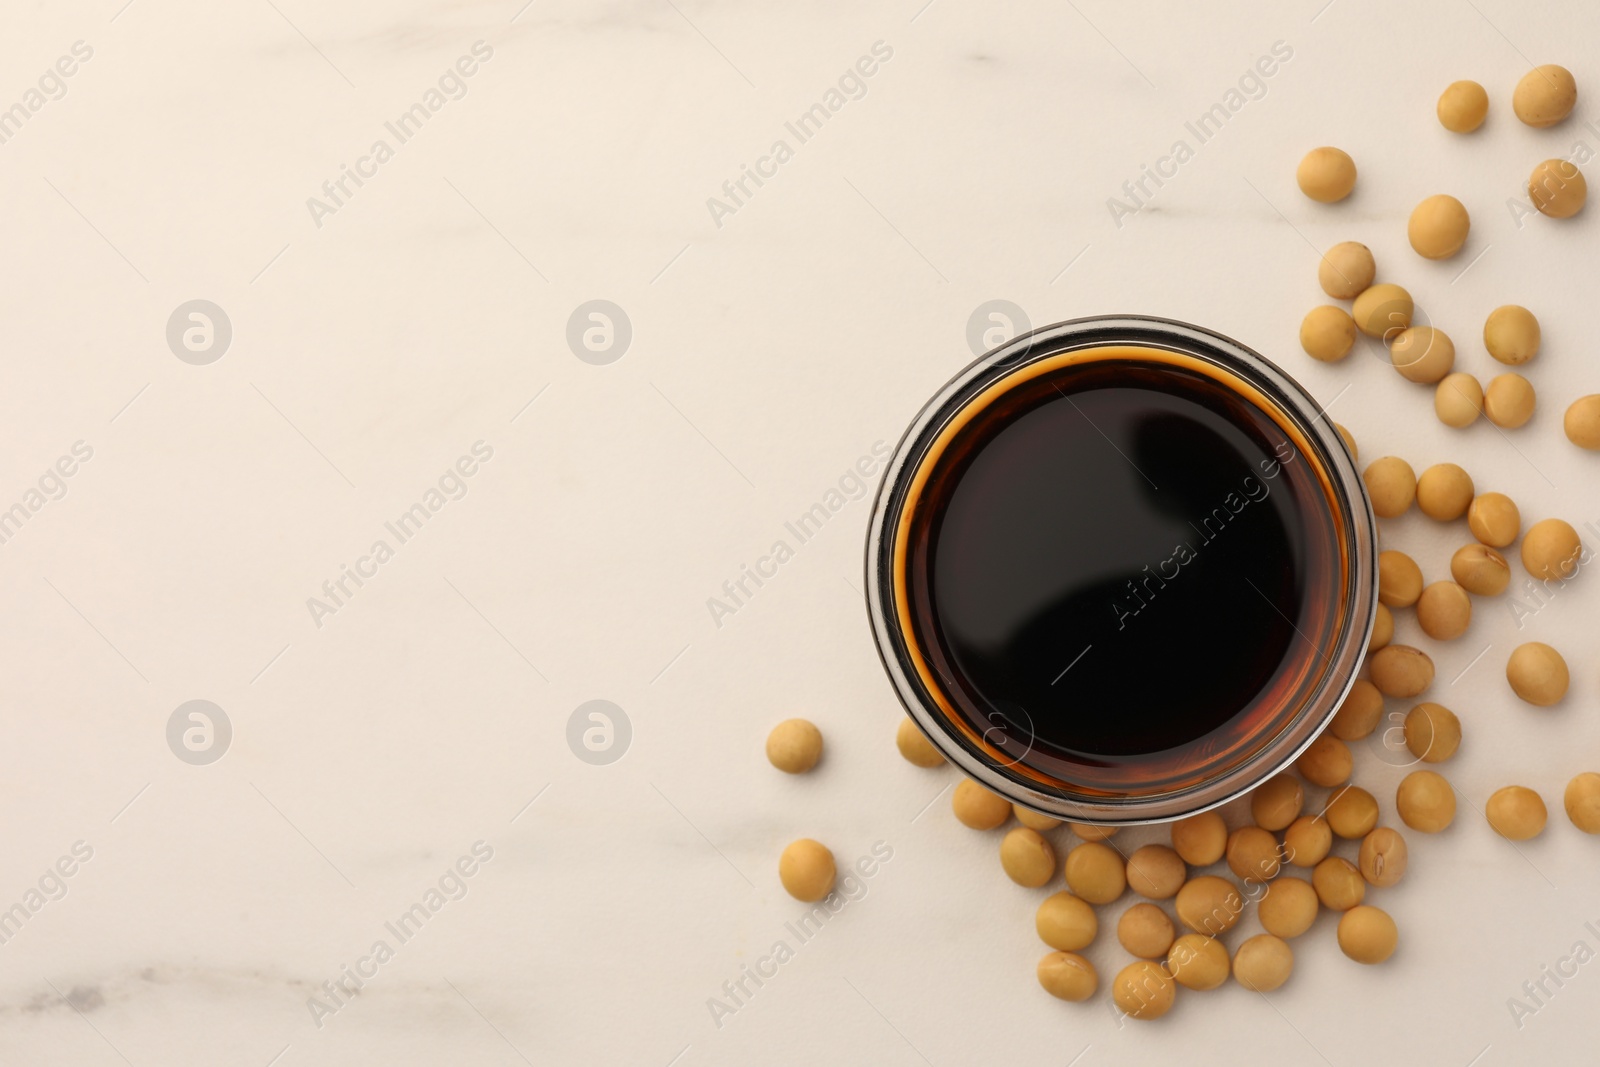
402, 341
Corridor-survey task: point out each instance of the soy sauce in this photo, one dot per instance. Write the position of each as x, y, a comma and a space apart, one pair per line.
1119, 567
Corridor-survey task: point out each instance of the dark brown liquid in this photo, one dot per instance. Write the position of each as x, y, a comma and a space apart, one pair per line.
1118, 570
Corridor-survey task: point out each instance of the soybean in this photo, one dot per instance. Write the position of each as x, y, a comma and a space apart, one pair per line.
1582, 422
1494, 519
1399, 579
1557, 189
1338, 883
794, 746
1200, 839
806, 870
1352, 813
1480, 570
1382, 627
1095, 872
1253, 854
1432, 732
1382, 310
1349, 440
1511, 334
1198, 962
1327, 333
1068, 976
1277, 802
1545, 95
1346, 269
1209, 905
1582, 801
1326, 762
915, 746
1033, 820
1422, 354
1326, 174
1066, 922
1458, 400
1383, 857
1143, 990
1307, 841
978, 808
1538, 674
1551, 550
1359, 714
1288, 907
1392, 485
1462, 106
1088, 831
1516, 813
1400, 670
1509, 400
1438, 227
1145, 931
1367, 934
1263, 963
1444, 492
1426, 801
1444, 610
1027, 858
1156, 872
